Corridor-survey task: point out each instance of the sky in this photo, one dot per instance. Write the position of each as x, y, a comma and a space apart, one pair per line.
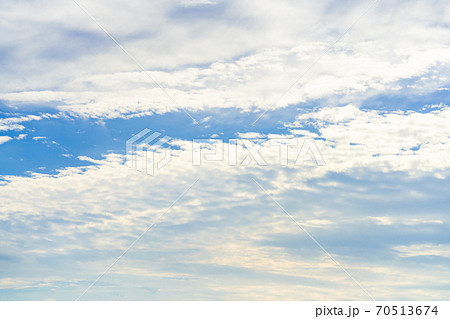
367, 82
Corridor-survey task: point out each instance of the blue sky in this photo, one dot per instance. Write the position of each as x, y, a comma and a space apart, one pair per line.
376, 105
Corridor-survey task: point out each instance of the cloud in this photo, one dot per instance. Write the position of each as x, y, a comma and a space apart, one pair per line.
21, 136
36, 138
243, 65
193, 3
424, 250
4, 139
84, 217
378, 205
389, 220
409, 141
250, 135
13, 123
254, 81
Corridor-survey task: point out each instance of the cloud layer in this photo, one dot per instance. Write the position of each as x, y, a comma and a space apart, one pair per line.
376, 106
228, 54
226, 238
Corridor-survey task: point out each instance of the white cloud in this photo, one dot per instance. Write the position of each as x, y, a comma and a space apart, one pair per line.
21, 136
382, 220
424, 250
250, 135
193, 3
406, 220
4, 139
253, 81
13, 123
408, 141
243, 65
225, 222
226, 237
37, 138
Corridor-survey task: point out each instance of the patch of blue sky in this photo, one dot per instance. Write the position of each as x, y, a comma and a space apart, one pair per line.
405, 101
53, 144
